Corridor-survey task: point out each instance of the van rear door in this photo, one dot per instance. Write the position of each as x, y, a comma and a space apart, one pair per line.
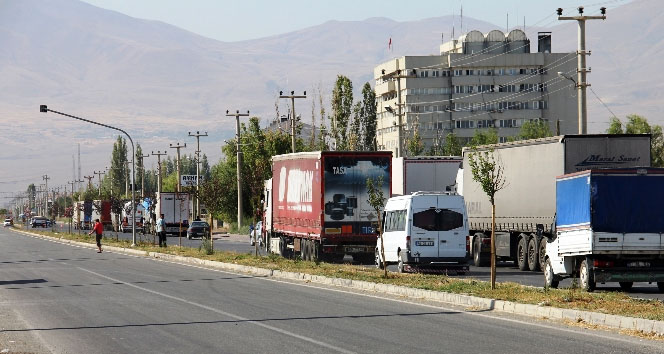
424, 234
451, 227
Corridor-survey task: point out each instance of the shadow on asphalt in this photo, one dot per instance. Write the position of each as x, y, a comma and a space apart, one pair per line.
22, 281
17, 282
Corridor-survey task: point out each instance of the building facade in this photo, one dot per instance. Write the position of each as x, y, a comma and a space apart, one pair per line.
478, 81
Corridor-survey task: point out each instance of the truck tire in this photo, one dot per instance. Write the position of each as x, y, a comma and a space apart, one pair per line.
542, 253
478, 260
586, 278
522, 254
533, 255
660, 286
550, 279
626, 285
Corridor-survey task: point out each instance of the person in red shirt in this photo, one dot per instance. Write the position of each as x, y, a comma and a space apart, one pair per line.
98, 229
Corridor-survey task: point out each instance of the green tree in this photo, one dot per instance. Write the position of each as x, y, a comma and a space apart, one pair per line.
369, 120
355, 138
415, 145
205, 168
489, 173
534, 130
484, 137
118, 170
639, 125
377, 202
342, 102
452, 145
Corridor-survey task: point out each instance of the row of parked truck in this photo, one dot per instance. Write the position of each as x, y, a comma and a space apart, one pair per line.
175, 207
574, 206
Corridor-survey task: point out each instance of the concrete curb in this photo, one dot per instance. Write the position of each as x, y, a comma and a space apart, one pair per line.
476, 303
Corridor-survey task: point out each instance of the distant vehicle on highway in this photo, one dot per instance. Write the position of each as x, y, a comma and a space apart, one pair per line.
198, 229
9, 222
39, 221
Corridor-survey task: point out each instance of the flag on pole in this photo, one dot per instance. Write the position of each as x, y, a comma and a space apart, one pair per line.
389, 44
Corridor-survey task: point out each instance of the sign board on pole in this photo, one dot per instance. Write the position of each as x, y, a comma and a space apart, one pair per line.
188, 180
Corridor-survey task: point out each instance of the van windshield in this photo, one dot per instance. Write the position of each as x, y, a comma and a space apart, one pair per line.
438, 220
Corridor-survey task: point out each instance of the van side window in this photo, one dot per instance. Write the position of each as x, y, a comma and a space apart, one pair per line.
438, 220
395, 220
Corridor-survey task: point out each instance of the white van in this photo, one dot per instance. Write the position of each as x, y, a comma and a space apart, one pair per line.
425, 230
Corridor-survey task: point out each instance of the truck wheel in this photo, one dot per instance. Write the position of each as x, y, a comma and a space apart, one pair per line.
550, 280
478, 260
533, 255
586, 278
542, 253
626, 285
660, 286
522, 254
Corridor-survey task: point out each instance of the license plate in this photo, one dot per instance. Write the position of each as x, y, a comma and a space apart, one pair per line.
639, 264
354, 250
423, 243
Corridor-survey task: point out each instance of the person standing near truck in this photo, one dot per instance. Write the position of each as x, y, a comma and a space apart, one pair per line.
98, 229
160, 229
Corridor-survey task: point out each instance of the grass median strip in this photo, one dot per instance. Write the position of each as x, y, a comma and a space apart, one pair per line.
608, 302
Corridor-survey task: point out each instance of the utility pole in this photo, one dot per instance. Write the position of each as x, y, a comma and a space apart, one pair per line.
178, 147
99, 173
292, 96
237, 116
89, 178
46, 178
143, 175
198, 168
159, 154
581, 69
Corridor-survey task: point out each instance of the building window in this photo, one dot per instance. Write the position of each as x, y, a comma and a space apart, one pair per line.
465, 124
458, 72
540, 105
446, 73
435, 73
424, 73
458, 89
485, 123
503, 139
508, 123
512, 71
506, 88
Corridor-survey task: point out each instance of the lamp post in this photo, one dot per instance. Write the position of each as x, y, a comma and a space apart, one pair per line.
198, 169
44, 109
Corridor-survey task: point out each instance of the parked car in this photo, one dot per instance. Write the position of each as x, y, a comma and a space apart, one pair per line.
255, 234
9, 222
39, 221
198, 229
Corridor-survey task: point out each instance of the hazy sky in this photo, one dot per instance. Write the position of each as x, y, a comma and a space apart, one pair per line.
230, 21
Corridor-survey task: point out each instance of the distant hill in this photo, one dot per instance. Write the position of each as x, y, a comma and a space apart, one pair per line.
158, 81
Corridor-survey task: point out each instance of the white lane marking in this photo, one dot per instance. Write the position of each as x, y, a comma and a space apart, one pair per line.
240, 318
321, 287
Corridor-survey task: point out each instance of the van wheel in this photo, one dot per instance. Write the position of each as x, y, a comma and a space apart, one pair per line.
626, 285
377, 261
522, 254
400, 265
550, 280
533, 255
586, 279
478, 260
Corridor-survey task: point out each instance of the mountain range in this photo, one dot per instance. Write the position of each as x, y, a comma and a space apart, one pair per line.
159, 82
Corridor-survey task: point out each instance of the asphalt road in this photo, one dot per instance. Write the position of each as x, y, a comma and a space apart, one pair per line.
77, 301
506, 271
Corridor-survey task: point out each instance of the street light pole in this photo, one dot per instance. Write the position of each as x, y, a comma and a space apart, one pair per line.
292, 96
198, 168
44, 109
581, 69
237, 116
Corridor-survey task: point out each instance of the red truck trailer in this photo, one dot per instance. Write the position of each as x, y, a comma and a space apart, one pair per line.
316, 204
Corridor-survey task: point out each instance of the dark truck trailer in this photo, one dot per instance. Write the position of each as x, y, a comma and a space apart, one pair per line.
526, 207
316, 204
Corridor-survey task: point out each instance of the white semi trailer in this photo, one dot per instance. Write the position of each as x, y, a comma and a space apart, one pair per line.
424, 173
526, 207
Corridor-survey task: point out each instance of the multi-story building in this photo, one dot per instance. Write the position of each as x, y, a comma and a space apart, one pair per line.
478, 81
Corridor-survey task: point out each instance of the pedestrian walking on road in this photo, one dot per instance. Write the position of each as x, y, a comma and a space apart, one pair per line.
98, 229
160, 228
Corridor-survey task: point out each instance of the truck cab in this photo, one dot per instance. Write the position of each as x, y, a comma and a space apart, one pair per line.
425, 230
